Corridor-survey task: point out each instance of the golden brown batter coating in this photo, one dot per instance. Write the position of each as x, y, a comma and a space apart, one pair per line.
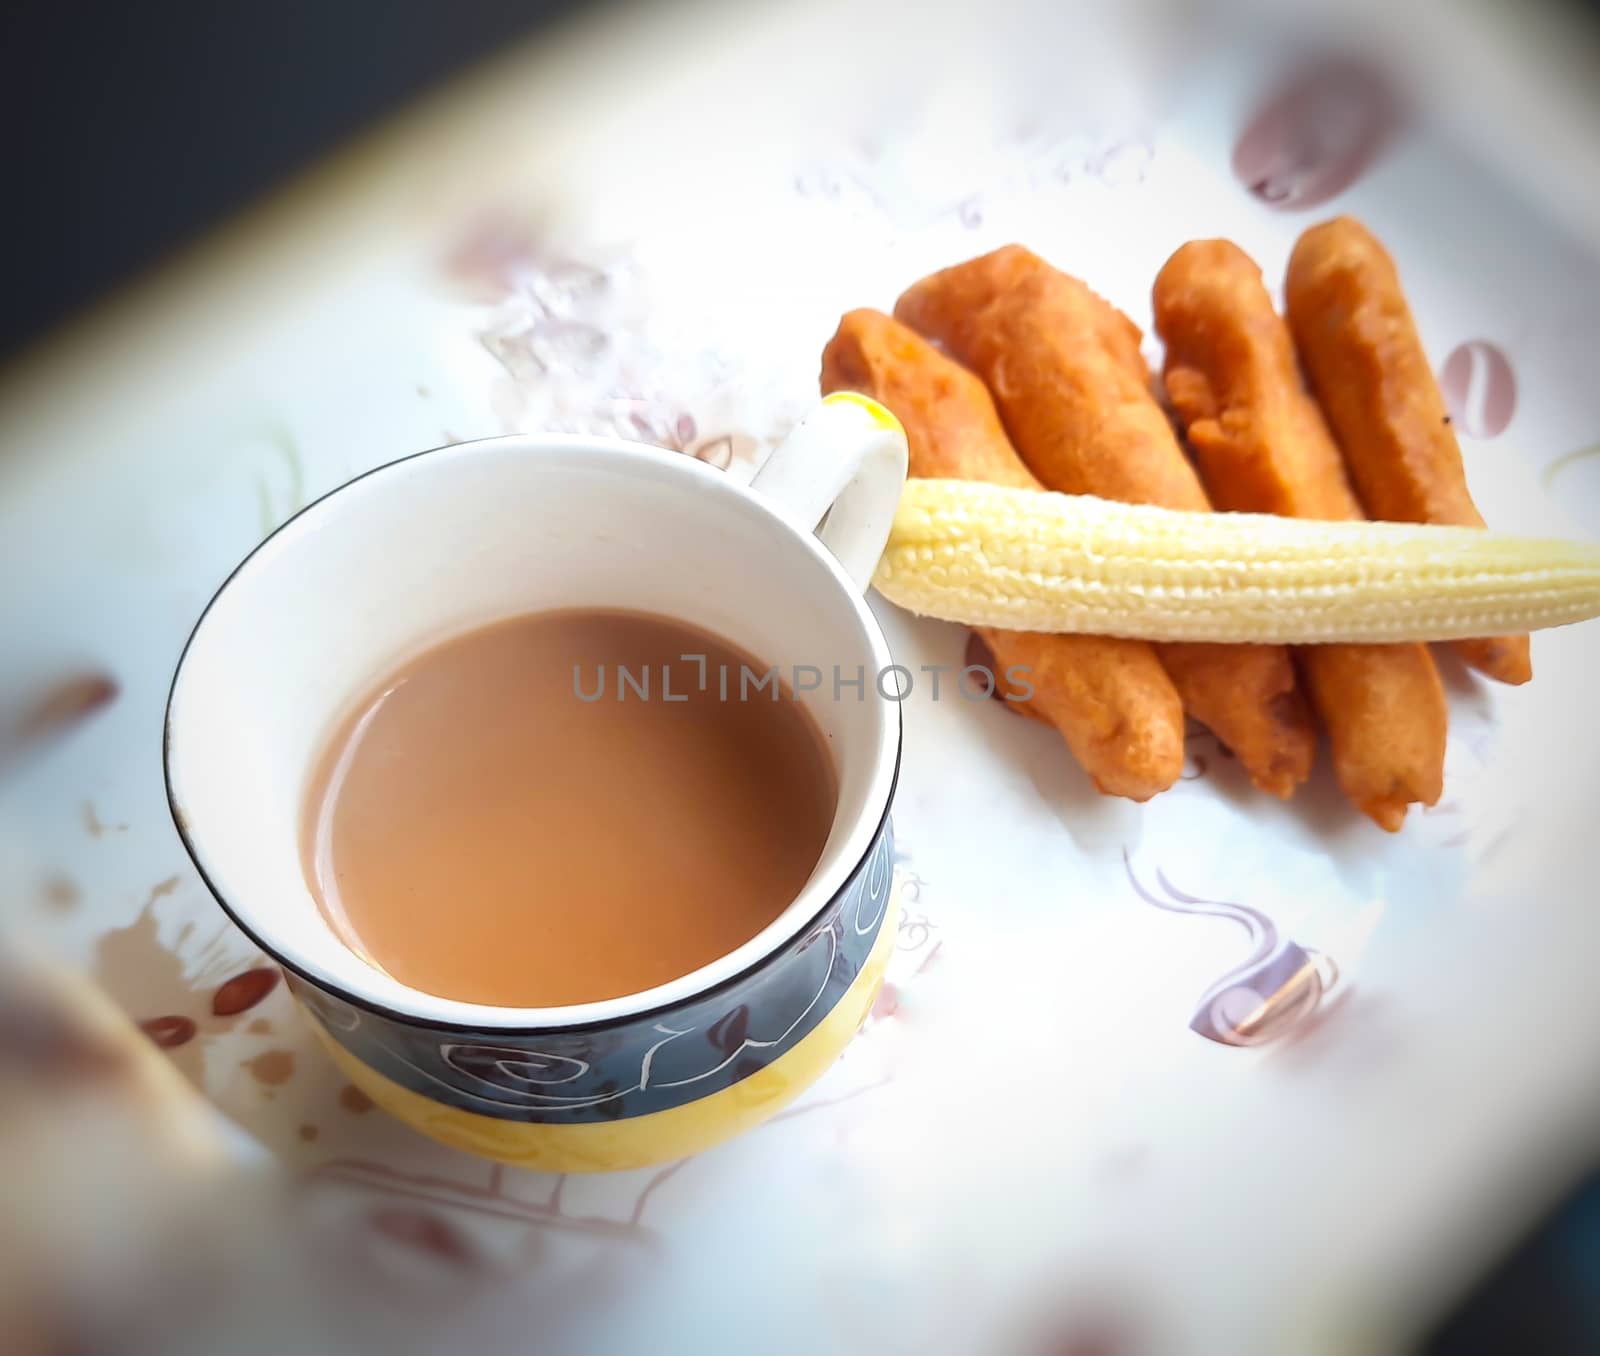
1073, 390
944, 306
950, 422
1358, 341
1110, 699
1385, 711
1263, 447
1065, 371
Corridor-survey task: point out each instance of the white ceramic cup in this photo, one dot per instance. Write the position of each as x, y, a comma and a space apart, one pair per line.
410, 554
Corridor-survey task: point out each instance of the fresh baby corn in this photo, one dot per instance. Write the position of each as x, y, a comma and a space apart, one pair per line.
1361, 350
1262, 447
1066, 374
991, 555
1110, 698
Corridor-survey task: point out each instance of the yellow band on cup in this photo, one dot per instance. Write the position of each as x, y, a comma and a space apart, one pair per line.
638, 1141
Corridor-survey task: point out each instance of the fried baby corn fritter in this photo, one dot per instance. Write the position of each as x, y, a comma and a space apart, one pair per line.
1064, 368
1263, 447
1358, 341
1066, 374
1110, 699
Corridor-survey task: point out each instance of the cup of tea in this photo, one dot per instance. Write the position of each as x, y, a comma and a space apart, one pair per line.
555, 772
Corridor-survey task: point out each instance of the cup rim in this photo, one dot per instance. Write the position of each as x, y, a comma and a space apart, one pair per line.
502, 1020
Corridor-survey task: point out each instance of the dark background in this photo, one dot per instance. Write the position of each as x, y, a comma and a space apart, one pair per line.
129, 127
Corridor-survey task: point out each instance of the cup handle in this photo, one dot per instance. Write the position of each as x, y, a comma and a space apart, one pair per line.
842, 467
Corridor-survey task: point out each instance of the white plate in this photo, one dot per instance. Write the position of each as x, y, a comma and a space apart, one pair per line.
674, 217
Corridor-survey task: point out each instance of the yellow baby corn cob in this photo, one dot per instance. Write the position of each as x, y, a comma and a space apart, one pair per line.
1021, 560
